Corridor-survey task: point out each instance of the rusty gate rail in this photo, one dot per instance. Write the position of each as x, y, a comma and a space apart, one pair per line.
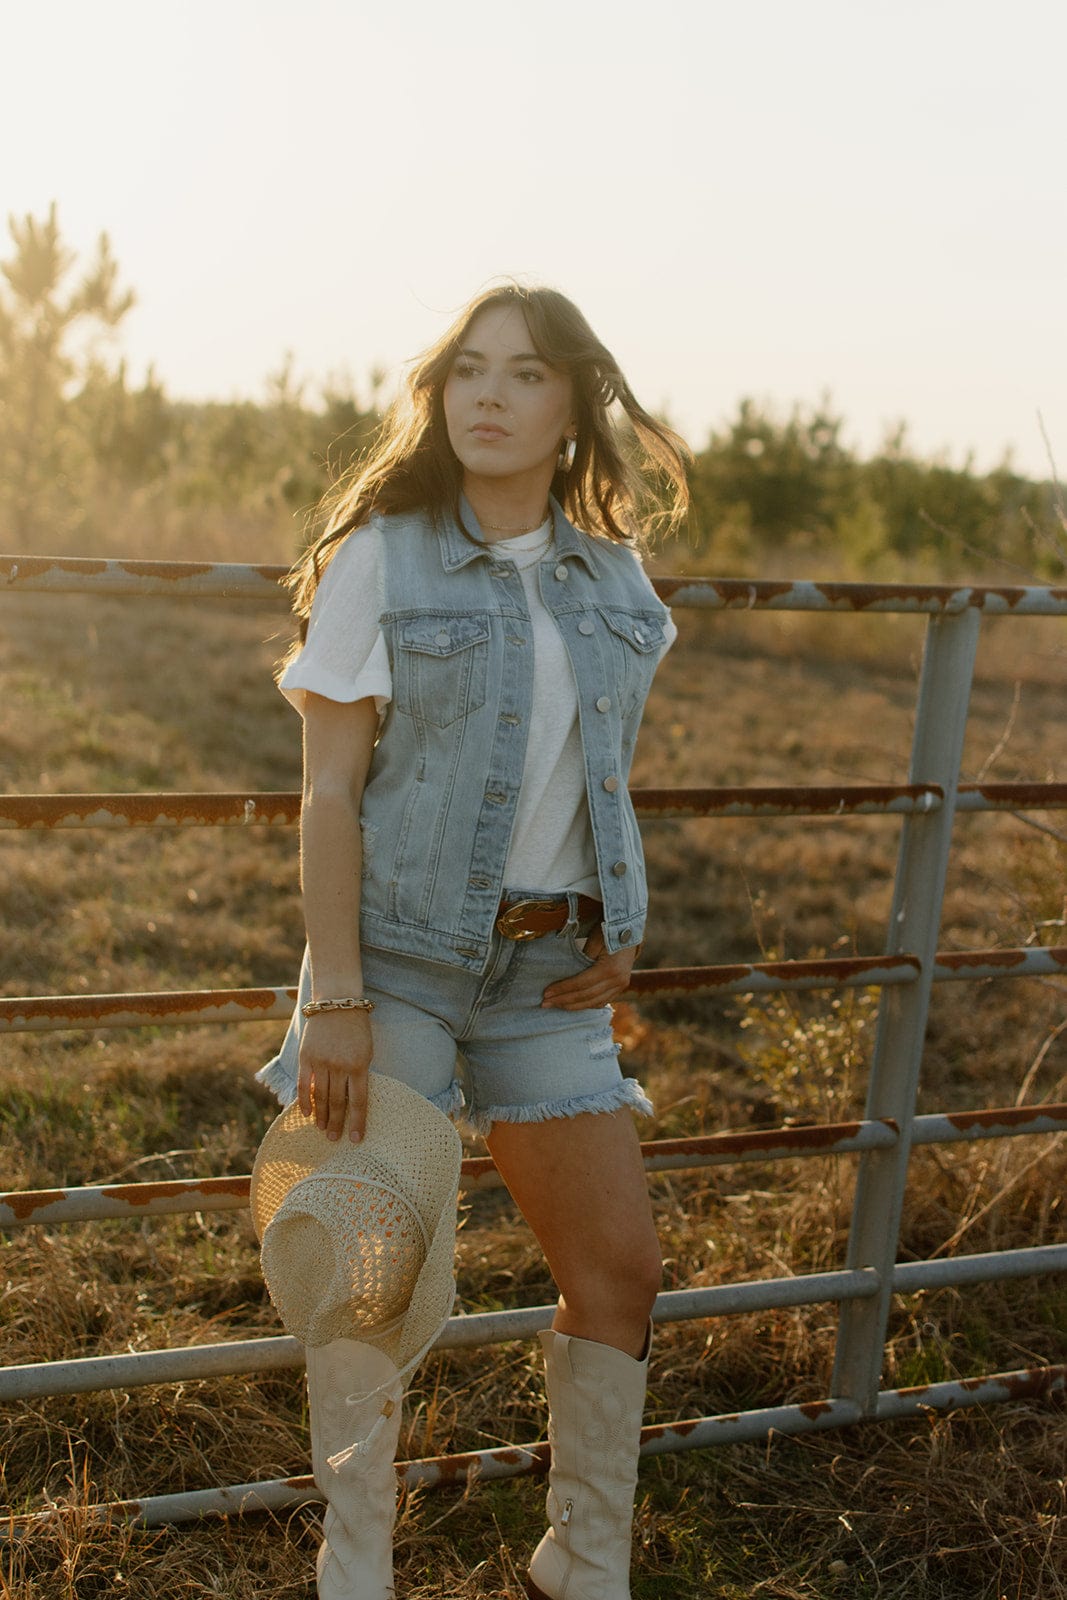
881, 1140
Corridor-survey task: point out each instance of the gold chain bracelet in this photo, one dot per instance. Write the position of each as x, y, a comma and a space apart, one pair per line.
313, 1007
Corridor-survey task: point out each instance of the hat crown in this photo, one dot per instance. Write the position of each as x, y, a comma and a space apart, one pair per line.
358, 1239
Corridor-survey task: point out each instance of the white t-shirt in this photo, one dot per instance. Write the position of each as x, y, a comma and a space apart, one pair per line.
345, 658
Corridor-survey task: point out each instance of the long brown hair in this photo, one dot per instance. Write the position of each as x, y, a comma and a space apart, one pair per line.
610, 490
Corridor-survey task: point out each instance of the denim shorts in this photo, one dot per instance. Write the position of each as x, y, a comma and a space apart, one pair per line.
482, 1046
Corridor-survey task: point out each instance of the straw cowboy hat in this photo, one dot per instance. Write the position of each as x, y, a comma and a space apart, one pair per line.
357, 1240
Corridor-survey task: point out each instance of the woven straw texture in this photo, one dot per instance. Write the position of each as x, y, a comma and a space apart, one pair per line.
357, 1240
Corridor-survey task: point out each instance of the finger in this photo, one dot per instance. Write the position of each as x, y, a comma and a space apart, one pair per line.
305, 1074
577, 994
357, 1107
607, 974
337, 1104
303, 1091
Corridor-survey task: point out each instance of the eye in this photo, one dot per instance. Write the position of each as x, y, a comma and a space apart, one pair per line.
530, 375
464, 369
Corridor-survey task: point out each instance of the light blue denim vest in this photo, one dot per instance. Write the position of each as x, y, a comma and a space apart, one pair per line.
440, 799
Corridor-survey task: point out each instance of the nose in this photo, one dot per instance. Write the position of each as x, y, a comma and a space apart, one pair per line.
488, 396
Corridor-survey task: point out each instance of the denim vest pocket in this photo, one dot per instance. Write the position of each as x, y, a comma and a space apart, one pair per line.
639, 641
439, 667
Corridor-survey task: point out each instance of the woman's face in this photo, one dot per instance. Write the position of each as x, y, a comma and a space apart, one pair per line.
506, 409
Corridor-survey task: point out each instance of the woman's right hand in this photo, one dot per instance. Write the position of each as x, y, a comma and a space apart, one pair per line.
335, 1055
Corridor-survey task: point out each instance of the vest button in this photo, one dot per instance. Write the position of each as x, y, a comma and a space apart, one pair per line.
604, 703
441, 639
626, 936
561, 573
639, 636
611, 784
586, 627
619, 869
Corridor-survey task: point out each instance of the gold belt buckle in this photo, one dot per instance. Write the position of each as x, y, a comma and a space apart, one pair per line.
510, 922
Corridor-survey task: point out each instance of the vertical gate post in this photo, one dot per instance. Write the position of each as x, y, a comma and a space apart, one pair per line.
922, 863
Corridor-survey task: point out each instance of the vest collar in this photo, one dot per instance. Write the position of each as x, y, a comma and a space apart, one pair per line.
571, 545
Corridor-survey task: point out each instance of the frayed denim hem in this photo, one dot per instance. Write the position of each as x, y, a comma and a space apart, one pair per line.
627, 1093
279, 1080
276, 1077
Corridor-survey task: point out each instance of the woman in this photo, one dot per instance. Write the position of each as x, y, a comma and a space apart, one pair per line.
473, 676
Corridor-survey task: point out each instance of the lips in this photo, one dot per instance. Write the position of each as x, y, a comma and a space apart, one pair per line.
488, 430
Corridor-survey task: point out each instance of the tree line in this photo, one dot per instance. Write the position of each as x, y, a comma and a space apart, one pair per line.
79, 439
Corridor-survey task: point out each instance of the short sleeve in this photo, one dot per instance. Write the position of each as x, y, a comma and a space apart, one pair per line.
344, 656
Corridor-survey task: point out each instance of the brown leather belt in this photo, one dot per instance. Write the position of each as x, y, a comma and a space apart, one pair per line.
532, 919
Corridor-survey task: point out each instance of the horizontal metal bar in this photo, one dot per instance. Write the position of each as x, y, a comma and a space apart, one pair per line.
998, 1122
996, 1265
171, 1197
178, 810
773, 977
519, 1460
1028, 1383
41, 811
859, 599
955, 965
51, 1013
282, 808
219, 580
795, 800
86, 575
88, 1373
1011, 797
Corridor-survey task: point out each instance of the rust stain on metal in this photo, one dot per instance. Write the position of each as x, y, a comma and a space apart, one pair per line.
650, 980
731, 591
54, 810
142, 1194
1028, 1383
477, 1167
98, 1007
1006, 1116
960, 961
815, 1137
666, 1430
168, 570
24, 1204
18, 567
810, 798
1027, 796
813, 1409
861, 596
273, 574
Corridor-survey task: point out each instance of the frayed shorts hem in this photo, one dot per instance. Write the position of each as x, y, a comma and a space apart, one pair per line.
627, 1093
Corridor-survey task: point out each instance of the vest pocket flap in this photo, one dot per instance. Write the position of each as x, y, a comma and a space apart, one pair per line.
442, 636
642, 630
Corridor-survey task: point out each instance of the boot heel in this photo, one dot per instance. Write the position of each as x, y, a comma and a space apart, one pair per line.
534, 1593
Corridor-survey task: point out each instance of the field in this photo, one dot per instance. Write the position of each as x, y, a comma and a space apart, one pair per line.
139, 695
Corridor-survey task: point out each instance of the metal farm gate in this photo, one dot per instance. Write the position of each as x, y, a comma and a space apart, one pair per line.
927, 804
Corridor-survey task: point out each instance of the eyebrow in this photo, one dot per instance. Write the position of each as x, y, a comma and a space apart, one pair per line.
528, 355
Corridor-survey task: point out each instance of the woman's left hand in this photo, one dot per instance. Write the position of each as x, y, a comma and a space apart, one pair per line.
598, 985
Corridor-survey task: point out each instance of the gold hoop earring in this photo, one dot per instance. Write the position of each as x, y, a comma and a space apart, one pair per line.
565, 459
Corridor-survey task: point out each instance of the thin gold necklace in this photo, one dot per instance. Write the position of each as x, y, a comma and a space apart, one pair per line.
495, 527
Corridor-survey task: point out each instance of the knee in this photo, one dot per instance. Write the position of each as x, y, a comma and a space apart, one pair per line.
627, 1281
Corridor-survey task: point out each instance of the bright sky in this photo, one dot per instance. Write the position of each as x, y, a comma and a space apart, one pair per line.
773, 199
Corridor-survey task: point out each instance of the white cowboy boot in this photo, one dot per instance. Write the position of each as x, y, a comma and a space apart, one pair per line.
356, 1557
596, 1395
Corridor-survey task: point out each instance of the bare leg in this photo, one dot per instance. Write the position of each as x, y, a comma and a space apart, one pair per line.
581, 1186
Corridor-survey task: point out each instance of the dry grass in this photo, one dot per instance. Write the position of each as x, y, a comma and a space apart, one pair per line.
121, 695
